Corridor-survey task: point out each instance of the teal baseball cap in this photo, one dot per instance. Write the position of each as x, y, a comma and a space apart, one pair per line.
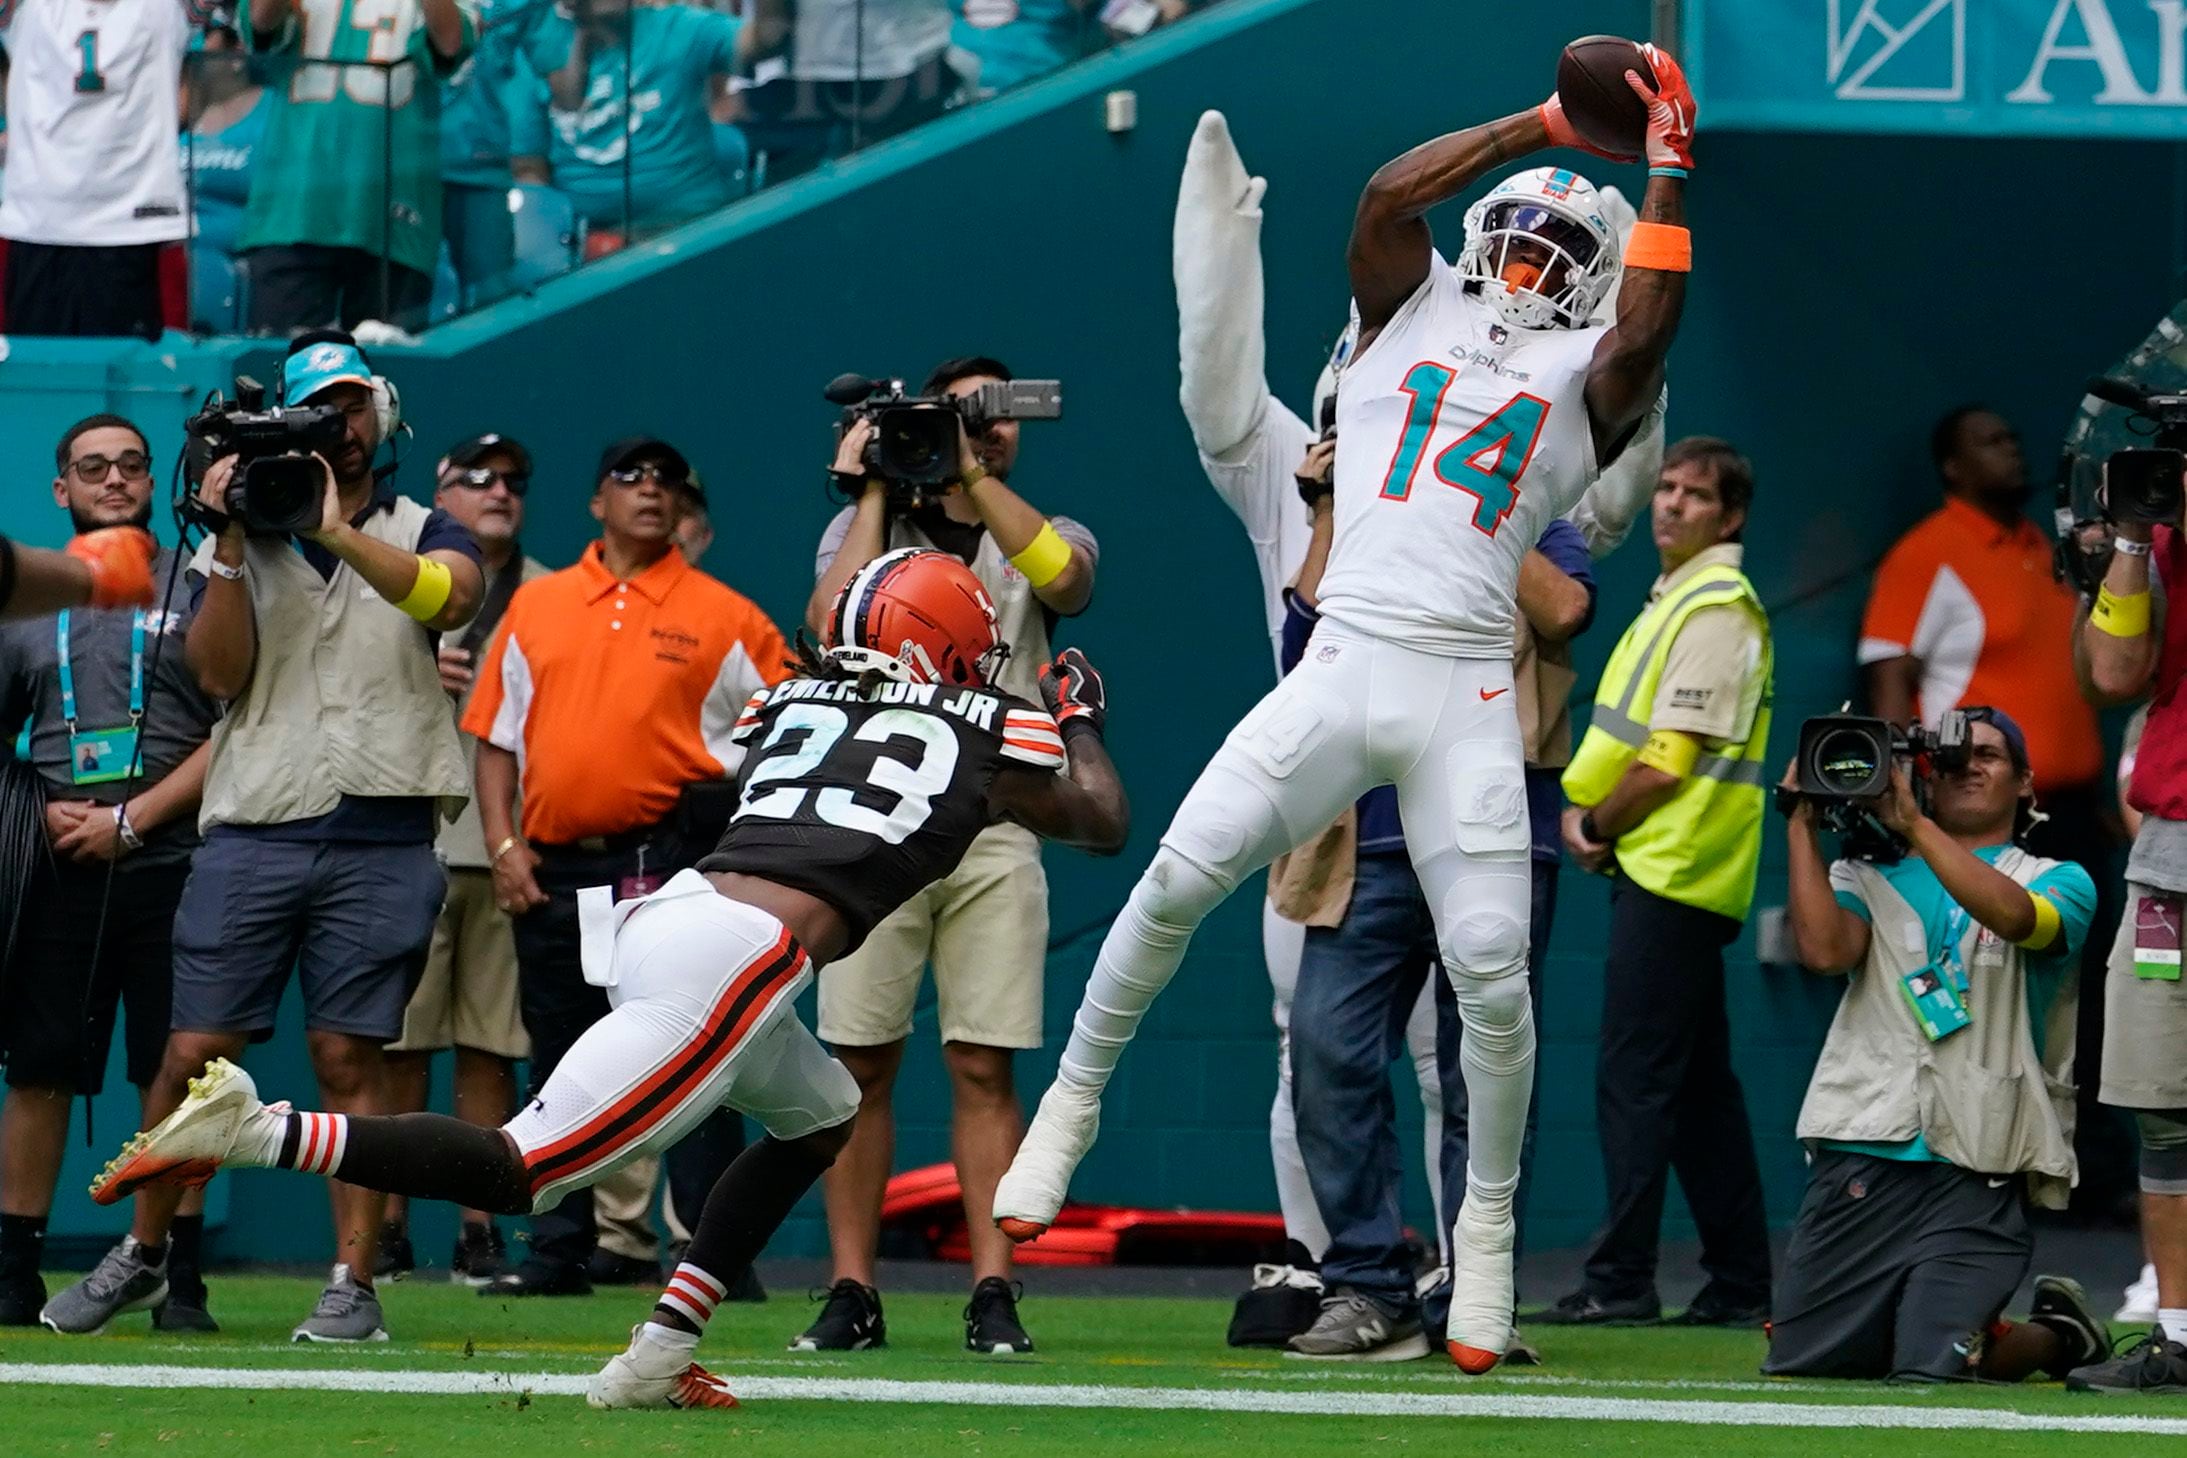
313, 366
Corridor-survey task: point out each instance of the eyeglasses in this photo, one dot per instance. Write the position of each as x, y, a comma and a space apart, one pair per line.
659, 471
91, 470
482, 478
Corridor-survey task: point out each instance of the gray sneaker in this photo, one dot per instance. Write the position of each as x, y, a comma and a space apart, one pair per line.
122, 1281
1356, 1328
347, 1312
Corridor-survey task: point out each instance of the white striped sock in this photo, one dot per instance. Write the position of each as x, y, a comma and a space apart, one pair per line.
693, 1294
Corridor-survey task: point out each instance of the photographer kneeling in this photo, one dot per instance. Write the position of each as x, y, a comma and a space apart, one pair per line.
1941, 1105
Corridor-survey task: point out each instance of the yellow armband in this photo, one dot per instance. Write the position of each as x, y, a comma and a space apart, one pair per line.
1044, 557
429, 594
2121, 617
2046, 924
1671, 752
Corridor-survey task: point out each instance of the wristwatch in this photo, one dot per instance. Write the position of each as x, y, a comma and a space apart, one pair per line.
126, 832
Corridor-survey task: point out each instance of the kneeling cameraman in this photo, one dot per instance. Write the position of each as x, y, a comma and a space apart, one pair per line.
1940, 1106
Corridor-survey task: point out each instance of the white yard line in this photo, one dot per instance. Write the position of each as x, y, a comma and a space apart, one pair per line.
1022, 1395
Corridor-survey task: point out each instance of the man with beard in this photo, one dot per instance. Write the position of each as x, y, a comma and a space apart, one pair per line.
1965, 610
330, 771
117, 735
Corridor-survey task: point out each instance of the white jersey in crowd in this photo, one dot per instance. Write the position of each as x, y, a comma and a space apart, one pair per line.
1460, 438
92, 106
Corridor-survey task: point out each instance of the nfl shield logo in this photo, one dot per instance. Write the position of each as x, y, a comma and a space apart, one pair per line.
1497, 334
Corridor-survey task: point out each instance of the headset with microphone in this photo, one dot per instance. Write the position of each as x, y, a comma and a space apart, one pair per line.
329, 350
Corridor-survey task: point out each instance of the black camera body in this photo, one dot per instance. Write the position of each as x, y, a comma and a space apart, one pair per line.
278, 488
1844, 763
914, 445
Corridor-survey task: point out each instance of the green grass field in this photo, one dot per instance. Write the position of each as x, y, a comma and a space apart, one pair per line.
466, 1376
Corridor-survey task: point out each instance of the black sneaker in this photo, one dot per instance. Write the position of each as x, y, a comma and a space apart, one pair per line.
2155, 1364
991, 1320
1283, 1302
184, 1311
480, 1255
1712, 1308
850, 1322
612, 1268
535, 1277
1583, 1308
22, 1295
2060, 1305
396, 1259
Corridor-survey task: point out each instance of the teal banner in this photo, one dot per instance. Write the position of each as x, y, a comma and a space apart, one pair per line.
2005, 68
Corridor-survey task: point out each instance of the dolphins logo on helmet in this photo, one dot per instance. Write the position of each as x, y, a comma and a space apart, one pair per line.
916, 616
1540, 250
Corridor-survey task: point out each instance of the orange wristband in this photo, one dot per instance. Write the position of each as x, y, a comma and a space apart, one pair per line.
1663, 246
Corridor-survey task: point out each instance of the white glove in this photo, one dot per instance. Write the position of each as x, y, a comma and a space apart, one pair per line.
1216, 256
1032, 1190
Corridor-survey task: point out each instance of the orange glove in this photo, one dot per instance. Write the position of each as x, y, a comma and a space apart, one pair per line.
120, 559
1671, 113
1561, 132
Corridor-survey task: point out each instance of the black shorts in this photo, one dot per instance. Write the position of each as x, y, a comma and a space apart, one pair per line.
1896, 1269
53, 1034
308, 286
62, 289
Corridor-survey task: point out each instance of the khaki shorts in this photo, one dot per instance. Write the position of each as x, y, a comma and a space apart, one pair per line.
985, 928
2145, 1028
467, 997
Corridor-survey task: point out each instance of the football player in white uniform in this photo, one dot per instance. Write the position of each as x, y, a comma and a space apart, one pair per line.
1477, 405
1250, 445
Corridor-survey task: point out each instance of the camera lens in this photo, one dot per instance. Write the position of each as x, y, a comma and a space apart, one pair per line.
1846, 762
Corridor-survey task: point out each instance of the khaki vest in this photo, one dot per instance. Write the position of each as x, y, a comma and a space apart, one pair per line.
1980, 1097
343, 698
1020, 618
462, 841
1542, 673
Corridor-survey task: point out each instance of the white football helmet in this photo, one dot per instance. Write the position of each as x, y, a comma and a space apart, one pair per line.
1555, 210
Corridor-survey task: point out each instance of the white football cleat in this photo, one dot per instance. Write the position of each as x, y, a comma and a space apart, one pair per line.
1483, 1289
1033, 1188
221, 1111
648, 1374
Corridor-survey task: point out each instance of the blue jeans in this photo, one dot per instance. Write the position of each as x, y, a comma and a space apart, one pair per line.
1357, 985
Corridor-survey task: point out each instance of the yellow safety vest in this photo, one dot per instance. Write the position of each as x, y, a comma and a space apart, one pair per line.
1703, 846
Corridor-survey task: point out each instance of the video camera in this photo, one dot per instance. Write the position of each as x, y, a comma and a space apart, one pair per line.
914, 445
277, 487
2143, 484
1844, 765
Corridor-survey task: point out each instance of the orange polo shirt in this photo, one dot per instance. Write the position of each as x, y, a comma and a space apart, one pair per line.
1977, 604
615, 695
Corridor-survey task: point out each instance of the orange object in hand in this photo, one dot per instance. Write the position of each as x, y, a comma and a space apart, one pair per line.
120, 561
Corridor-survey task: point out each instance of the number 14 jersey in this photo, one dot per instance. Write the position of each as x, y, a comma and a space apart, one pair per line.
1459, 438
864, 796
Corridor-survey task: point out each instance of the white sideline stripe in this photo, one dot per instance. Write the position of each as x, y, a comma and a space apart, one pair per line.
1000, 1394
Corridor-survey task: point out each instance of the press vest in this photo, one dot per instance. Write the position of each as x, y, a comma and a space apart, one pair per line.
462, 842
2159, 786
1703, 846
1542, 674
1980, 1097
344, 697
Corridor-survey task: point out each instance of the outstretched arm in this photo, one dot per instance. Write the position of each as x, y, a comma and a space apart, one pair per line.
1216, 257
1627, 374
1391, 249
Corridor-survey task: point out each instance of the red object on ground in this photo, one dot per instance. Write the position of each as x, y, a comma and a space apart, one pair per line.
1086, 1235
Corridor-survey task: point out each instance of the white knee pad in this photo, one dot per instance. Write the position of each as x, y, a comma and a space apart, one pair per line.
1485, 952
1481, 944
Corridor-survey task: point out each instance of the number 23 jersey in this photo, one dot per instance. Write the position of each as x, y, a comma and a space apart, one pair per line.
1459, 439
864, 796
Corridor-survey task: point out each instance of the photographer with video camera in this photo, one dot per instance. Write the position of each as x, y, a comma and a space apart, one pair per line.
2133, 649
330, 772
1941, 1107
922, 474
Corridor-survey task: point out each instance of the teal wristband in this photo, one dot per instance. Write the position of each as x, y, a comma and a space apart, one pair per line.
1678, 172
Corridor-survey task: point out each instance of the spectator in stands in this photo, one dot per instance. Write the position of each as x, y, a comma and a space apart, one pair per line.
631, 648
467, 1000
1965, 609
319, 811
95, 211
1666, 788
984, 927
860, 71
639, 159
229, 109
1938, 1110
695, 528
476, 103
1370, 949
114, 682
344, 220
1017, 41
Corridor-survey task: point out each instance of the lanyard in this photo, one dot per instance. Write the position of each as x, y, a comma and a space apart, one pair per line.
136, 669
1955, 927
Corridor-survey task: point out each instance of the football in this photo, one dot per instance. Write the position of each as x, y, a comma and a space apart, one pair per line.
1598, 103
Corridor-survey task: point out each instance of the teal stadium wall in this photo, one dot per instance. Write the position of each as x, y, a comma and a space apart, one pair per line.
1847, 290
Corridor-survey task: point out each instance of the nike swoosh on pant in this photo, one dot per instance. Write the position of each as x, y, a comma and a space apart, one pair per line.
1487, 694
